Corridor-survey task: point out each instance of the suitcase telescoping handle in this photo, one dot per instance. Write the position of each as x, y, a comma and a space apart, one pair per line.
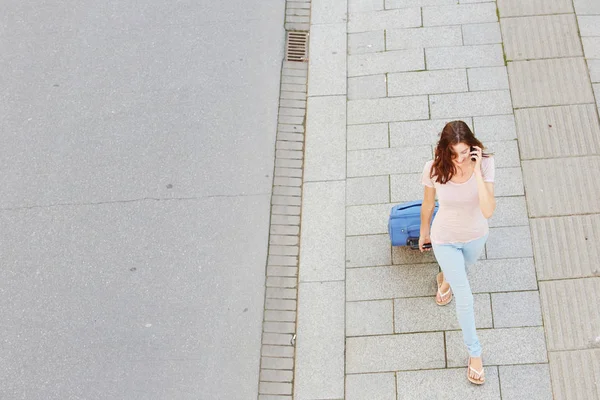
413, 243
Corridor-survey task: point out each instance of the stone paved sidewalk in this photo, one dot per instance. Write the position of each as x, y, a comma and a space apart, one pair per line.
384, 77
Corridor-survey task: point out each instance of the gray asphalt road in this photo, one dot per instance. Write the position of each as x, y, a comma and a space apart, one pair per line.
136, 168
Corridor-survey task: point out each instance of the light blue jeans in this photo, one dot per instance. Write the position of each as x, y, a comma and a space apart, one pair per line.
454, 258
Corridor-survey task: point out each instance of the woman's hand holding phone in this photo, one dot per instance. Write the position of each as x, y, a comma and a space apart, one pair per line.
476, 155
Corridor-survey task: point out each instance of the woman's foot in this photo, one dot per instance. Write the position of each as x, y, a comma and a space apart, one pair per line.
475, 373
444, 293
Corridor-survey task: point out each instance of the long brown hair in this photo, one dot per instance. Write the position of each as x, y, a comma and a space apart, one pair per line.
454, 132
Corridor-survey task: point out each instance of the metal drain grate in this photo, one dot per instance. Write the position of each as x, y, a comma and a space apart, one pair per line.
296, 46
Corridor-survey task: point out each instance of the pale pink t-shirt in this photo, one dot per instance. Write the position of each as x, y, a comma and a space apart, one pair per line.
459, 218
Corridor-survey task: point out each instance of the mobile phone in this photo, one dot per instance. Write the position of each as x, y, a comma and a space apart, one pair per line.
426, 245
473, 157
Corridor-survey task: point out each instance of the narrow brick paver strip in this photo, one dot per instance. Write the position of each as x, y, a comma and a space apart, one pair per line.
277, 364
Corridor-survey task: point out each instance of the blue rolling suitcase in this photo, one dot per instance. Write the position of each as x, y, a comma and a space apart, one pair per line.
405, 223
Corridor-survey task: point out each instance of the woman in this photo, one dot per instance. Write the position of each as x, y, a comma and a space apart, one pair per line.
463, 179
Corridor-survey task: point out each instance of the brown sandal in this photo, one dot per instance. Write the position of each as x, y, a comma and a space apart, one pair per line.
440, 280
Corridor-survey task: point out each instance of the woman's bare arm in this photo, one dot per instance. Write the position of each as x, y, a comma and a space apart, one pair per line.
487, 202
426, 214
